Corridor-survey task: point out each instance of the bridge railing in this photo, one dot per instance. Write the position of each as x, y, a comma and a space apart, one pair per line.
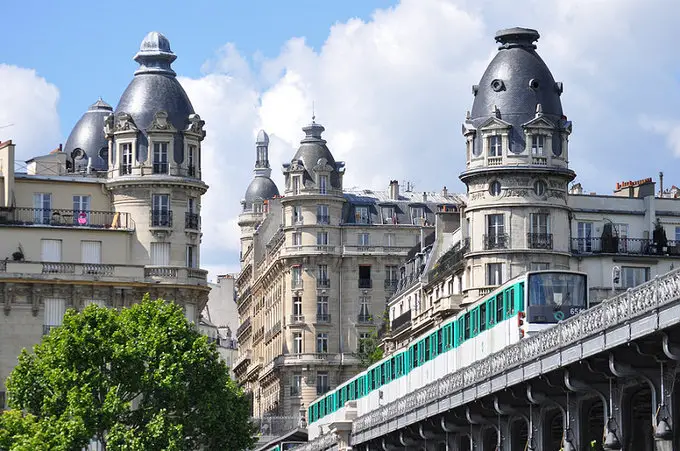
632, 303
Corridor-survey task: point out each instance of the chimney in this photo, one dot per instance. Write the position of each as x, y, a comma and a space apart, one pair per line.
424, 196
445, 192
661, 183
394, 190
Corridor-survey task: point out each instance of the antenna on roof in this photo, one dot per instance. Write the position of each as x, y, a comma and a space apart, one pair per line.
313, 113
409, 185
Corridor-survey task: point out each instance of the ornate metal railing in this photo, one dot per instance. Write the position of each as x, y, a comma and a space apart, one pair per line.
243, 327
540, 240
191, 221
496, 241
637, 301
625, 246
160, 218
57, 217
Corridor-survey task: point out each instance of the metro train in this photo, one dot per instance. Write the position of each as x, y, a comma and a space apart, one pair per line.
522, 306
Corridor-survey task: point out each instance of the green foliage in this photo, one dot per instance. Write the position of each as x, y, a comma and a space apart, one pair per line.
369, 352
142, 378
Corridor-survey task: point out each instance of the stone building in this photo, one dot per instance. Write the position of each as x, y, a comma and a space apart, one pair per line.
317, 266
522, 210
112, 215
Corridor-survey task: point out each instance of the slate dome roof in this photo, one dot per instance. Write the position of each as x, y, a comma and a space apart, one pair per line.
154, 88
87, 138
260, 188
312, 149
516, 81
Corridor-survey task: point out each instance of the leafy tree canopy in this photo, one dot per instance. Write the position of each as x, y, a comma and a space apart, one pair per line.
369, 352
141, 378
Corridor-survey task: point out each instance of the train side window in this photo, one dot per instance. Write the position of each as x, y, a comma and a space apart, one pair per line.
466, 318
440, 341
520, 301
510, 302
414, 353
427, 350
482, 317
499, 308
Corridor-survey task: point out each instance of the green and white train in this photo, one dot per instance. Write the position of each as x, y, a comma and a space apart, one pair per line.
524, 305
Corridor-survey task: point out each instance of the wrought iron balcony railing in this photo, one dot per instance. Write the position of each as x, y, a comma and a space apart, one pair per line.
540, 240
191, 221
161, 218
323, 283
496, 241
323, 317
20, 216
624, 246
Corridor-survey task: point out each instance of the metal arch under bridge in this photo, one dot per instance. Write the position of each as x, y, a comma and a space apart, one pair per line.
604, 379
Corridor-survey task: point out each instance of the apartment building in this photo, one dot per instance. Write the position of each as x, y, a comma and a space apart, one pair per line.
110, 216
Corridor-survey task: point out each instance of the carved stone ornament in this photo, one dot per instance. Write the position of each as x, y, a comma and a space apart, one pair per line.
160, 123
296, 165
557, 194
517, 192
124, 123
322, 166
196, 125
109, 125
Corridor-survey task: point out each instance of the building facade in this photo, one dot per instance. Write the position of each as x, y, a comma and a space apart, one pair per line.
522, 211
317, 266
112, 215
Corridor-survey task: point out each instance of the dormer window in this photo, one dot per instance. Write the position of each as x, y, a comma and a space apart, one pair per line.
323, 184
160, 158
361, 215
126, 158
191, 161
296, 184
418, 214
389, 215
537, 142
495, 149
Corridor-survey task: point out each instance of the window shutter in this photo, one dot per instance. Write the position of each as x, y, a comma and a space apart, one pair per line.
54, 311
91, 251
51, 251
160, 254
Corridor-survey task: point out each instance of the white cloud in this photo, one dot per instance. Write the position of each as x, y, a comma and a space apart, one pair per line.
28, 112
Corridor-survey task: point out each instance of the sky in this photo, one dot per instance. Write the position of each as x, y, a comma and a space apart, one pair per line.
390, 80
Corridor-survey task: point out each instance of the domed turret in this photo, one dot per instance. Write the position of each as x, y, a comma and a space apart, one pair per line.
261, 187
155, 89
87, 142
516, 87
313, 151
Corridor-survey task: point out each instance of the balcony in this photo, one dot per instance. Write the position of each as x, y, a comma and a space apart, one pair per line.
540, 240
160, 168
258, 335
375, 250
323, 219
243, 327
297, 319
311, 249
21, 216
494, 161
391, 284
538, 160
296, 284
401, 322
243, 358
323, 317
623, 246
365, 283
364, 318
323, 283
160, 218
191, 221
496, 241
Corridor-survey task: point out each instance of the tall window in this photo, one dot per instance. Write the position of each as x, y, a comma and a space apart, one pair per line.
390, 239
81, 210
50, 250
322, 238
297, 238
322, 216
322, 313
296, 275
495, 146
161, 216
91, 251
160, 254
363, 239
323, 184
191, 161
495, 232
42, 205
191, 219
322, 276
361, 214
296, 385
54, 313
584, 236
160, 158
633, 276
417, 214
622, 232
537, 145
297, 306
364, 276
321, 383
297, 214
494, 274
296, 184
192, 256
364, 309
322, 342
539, 237
297, 343
125, 159
391, 272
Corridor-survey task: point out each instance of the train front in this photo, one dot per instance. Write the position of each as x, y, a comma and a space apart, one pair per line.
553, 296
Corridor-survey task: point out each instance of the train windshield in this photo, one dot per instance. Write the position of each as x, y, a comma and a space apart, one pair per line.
557, 289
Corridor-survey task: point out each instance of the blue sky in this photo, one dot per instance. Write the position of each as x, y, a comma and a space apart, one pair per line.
391, 81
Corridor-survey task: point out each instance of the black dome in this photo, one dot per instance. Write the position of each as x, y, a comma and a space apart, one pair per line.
154, 88
516, 81
312, 149
87, 140
260, 188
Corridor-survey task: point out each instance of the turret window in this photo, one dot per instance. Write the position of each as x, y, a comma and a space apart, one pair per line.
161, 216
296, 185
191, 161
160, 158
323, 184
539, 187
495, 149
495, 188
537, 142
125, 158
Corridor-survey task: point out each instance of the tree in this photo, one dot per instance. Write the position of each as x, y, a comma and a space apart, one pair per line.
141, 378
369, 352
